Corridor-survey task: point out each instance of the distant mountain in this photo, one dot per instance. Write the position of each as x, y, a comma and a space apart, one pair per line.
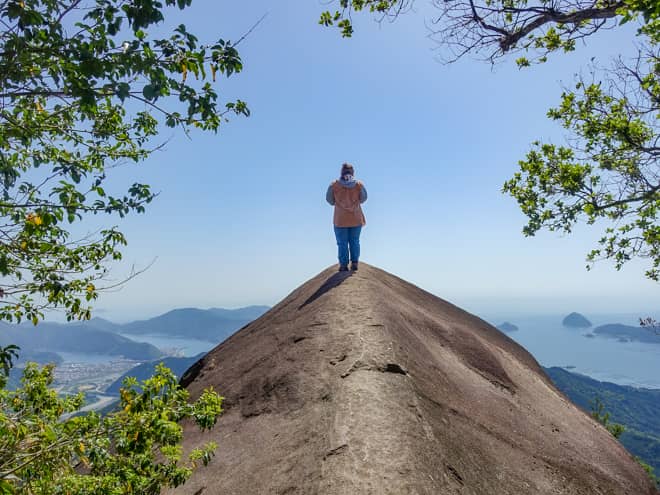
635, 408
25, 355
100, 336
82, 338
14, 379
507, 327
100, 324
178, 365
246, 313
627, 332
576, 320
214, 325
41, 357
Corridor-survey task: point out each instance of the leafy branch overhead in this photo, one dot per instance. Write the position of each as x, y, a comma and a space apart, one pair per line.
608, 171
608, 168
84, 87
497, 27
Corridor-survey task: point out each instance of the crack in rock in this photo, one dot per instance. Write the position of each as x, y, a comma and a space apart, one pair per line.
387, 368
394, 368
338, 360
455, 475
336, 451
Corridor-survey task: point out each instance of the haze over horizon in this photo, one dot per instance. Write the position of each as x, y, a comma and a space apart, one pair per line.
241, 217
490, 308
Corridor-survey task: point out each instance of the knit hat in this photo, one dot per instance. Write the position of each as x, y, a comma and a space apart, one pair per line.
347, 168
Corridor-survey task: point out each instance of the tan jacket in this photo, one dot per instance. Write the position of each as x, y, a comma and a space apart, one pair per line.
348, 212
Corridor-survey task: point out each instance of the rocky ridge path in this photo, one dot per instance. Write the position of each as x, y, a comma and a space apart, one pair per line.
362, 383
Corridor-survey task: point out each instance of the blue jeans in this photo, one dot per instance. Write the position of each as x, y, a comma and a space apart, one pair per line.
348, 238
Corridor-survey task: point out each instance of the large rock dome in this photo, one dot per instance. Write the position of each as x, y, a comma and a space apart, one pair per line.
362, 383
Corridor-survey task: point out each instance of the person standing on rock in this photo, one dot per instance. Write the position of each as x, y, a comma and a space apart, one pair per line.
347, 194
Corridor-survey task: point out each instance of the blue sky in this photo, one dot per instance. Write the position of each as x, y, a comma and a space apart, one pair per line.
241, 217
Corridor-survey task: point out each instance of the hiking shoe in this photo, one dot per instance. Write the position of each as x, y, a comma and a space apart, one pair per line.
343, 268
354, 266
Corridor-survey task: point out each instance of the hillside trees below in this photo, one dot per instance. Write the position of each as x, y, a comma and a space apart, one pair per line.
133, 450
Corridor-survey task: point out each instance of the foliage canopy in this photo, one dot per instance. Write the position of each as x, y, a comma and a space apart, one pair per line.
84, 87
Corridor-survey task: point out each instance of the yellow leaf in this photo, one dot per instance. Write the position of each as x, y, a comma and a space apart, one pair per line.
91, 288
184, 71
81, 447
33, 218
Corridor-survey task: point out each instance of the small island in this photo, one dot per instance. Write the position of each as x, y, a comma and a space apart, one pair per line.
576, 320
507, 327
627, 333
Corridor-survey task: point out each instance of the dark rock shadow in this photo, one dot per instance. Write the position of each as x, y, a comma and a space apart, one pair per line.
330, 283
191, 373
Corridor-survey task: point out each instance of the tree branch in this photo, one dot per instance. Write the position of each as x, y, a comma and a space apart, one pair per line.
510, 39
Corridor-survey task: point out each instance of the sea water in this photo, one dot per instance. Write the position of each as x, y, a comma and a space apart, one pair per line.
604, 359
178, 346
551, 343
171, 346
